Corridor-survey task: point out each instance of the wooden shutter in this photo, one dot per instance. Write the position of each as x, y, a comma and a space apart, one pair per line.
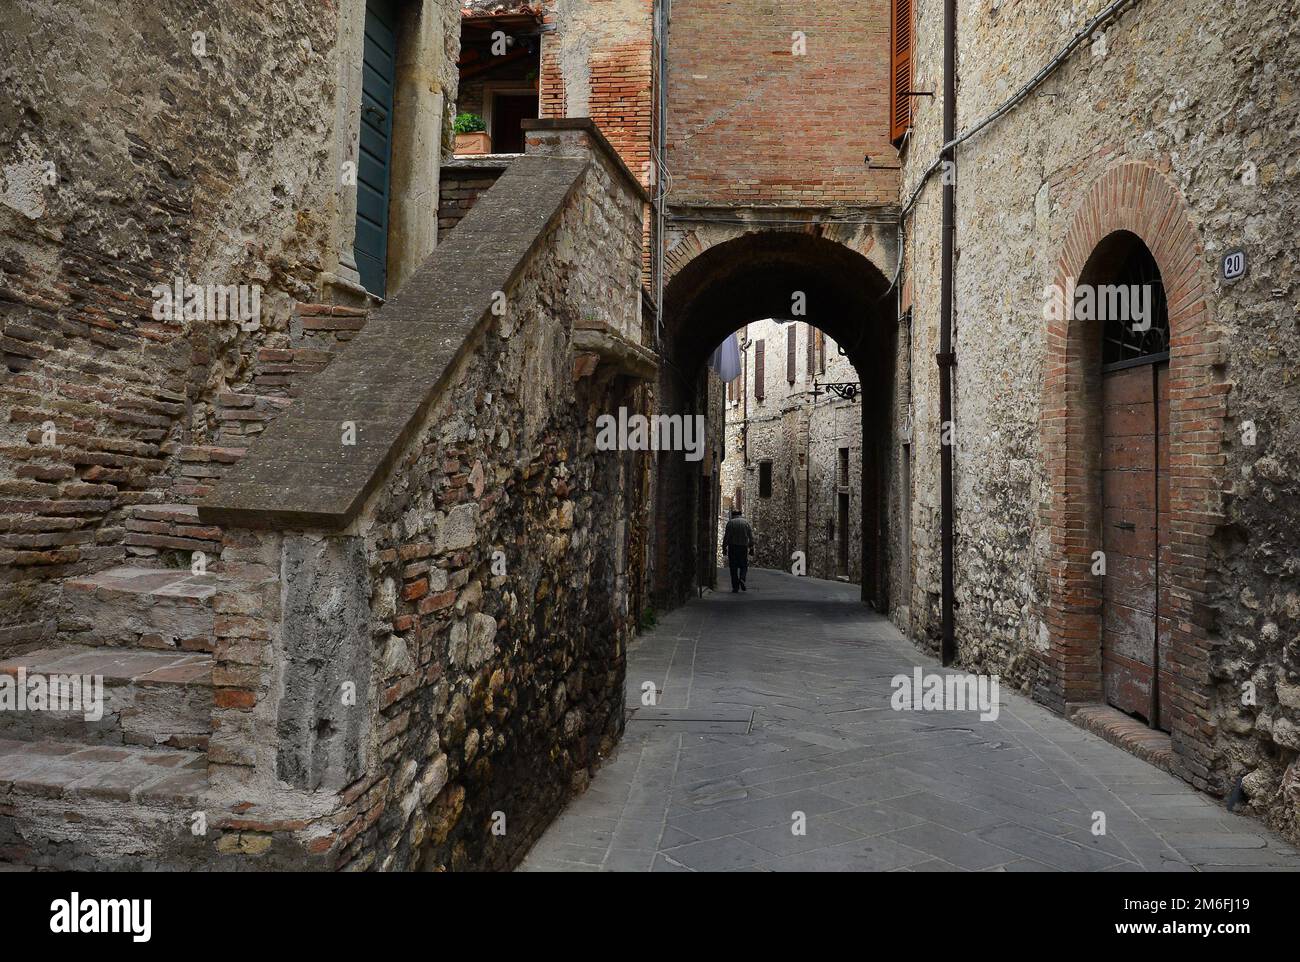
374, 180
821, 353
791, 349
900, 46
811, 367
758, 369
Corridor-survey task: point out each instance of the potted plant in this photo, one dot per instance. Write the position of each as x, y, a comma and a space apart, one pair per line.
471, 135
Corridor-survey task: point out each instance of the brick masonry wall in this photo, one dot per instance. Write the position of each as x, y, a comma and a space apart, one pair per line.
597, 63
750, 122
212, 167
462, 183
1197, 99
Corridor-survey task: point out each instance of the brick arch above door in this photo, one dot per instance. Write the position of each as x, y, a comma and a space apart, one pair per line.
1136, 198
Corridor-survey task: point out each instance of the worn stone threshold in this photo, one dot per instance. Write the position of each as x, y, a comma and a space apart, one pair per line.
1133, 736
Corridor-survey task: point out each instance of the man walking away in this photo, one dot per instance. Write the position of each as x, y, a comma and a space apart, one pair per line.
738, 543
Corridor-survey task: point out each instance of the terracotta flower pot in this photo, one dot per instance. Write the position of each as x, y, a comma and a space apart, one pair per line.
475, 143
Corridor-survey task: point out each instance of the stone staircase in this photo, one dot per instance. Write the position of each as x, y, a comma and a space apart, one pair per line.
116, 779
369, 702
123, 782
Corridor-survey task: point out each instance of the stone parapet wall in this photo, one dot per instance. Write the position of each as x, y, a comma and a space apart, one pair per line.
475, 610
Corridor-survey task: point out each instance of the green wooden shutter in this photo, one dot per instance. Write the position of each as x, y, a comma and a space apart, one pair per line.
379, 71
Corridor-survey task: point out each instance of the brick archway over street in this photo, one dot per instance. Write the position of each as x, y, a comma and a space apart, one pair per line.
1136, 198
720, 283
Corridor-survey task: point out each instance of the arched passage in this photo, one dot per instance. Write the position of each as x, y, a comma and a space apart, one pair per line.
785, 275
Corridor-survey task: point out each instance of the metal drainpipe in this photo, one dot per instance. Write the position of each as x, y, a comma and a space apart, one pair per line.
946, 357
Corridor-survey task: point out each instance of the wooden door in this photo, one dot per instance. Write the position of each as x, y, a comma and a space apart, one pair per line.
1164, 620
509, 111
1135, 504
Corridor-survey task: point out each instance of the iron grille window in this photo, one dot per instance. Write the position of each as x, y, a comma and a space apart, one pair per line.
1133, 269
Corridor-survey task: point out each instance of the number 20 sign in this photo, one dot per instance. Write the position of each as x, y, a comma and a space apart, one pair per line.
1233, 265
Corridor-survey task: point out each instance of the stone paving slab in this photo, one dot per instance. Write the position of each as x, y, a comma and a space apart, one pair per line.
875, 789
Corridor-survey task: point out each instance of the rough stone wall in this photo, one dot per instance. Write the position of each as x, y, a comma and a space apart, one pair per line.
801, 436
141, 143
834, 424
1205, 93
137, 199
507, 686
785, 128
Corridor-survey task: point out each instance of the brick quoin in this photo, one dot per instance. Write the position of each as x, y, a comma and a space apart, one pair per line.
1137, 198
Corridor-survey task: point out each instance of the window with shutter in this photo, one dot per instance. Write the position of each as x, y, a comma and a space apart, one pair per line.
821, 353
900, 104
791, 349
758, 369
811, 367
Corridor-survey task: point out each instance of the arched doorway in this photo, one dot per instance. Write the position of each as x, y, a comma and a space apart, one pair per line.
782, 275
1134, 201
1121, 291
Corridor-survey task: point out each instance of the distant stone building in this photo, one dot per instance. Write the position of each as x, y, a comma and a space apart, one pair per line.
794, 450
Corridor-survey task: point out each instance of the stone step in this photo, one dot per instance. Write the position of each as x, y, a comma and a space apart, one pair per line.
134, 606
125, 697
83, 807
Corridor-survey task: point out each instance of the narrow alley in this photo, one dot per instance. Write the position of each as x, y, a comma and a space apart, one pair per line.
777, 702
